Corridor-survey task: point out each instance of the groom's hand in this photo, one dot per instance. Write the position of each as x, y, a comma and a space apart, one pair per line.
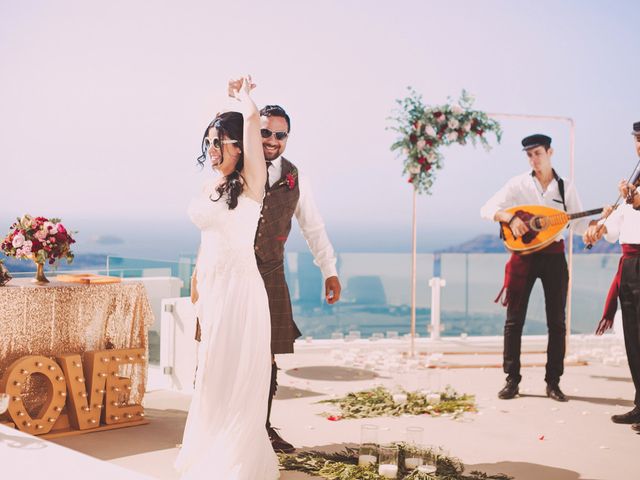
233, 86
332, 290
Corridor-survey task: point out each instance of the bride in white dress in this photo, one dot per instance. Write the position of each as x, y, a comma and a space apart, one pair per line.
224, 436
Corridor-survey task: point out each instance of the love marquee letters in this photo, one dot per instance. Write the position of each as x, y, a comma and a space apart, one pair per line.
90, 387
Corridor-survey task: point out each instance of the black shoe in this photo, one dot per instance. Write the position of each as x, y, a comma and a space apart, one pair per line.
509, 391
630, 417
554, 392
279, 445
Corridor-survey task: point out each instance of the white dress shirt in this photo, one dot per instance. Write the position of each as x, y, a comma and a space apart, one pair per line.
310, 222
624, 225
525, 189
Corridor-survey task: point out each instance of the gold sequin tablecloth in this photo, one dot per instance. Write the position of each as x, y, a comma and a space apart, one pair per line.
71, 318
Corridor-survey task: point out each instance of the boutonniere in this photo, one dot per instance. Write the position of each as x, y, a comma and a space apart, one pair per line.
290, 179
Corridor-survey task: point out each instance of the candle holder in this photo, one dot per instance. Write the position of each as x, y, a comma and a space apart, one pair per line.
368, 453
412, 458
388, 461
429, 462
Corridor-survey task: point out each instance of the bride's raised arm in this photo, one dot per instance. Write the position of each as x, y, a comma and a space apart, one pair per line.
255, 169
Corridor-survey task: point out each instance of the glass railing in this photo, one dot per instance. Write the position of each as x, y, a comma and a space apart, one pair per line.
376, 296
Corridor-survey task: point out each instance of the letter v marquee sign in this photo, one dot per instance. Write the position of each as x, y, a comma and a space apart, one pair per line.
91, 389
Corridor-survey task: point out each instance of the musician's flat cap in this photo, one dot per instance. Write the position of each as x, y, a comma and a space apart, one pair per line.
536, 140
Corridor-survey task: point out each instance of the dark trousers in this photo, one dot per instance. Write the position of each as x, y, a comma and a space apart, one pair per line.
552, 270
272, 390
630, 305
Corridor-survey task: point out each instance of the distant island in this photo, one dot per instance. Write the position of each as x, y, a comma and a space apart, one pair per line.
492, 244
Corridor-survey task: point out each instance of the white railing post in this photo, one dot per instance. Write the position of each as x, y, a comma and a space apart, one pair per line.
436, 283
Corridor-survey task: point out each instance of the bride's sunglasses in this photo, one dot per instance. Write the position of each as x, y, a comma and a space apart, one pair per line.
216, 143
266, 133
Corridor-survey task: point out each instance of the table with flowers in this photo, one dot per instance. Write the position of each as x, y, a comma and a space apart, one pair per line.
60, 317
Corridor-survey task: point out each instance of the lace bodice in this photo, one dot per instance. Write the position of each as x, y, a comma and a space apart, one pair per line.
227, 236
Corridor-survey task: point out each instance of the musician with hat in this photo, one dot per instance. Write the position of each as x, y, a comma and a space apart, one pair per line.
539, 186
623, 225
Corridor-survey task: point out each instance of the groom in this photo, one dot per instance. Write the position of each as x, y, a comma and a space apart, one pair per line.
287, 194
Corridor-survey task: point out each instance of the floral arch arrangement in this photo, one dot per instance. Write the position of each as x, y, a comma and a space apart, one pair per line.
424, 129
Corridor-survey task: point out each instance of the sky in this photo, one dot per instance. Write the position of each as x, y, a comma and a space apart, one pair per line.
103, 105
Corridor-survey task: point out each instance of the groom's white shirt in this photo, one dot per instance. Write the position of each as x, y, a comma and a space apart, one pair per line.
310, 222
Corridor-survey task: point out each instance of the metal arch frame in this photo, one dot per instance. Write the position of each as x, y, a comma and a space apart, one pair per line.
572, 140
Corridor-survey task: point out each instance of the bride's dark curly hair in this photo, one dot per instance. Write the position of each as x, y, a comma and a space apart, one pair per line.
228, 124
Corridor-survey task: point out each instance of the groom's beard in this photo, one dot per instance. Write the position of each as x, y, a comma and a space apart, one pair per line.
271, 152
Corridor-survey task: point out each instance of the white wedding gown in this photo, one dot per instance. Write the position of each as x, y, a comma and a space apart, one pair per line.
225, 436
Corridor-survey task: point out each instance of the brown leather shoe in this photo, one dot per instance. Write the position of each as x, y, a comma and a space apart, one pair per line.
278, 443
554, 392
632, 416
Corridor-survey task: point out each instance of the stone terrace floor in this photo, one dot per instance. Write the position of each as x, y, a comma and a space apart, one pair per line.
530, 437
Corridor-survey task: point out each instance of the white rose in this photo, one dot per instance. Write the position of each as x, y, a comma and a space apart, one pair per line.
429, 130
421, 144
466, 127
442, 118
18, 241
453, 136
54, 229
457, 109
453, 123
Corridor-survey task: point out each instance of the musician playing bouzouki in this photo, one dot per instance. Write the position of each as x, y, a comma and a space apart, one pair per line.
539, 186
623, 225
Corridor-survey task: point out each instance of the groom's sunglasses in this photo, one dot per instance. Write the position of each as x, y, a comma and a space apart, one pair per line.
266, 133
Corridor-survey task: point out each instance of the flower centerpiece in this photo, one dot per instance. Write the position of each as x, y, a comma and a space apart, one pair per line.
39, 239
424, 129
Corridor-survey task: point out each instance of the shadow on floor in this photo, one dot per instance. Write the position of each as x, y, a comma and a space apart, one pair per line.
612, 379
596, 400
164, 431
332, 373
518, 470
525, 471
287, 393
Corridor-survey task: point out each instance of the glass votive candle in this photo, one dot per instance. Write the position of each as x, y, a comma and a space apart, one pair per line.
435, 379
429, 462
433, 398
367, 454
412, 459
388, 461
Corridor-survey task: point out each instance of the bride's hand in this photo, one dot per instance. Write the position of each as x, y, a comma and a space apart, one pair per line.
240, 88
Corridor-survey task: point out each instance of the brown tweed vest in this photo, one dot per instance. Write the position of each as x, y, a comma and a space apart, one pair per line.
278, 207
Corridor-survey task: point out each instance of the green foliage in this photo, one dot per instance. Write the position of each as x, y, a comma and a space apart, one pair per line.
344, 466
423, 129
378, 402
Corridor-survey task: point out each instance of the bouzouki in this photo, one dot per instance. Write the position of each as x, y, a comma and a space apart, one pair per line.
545, 224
